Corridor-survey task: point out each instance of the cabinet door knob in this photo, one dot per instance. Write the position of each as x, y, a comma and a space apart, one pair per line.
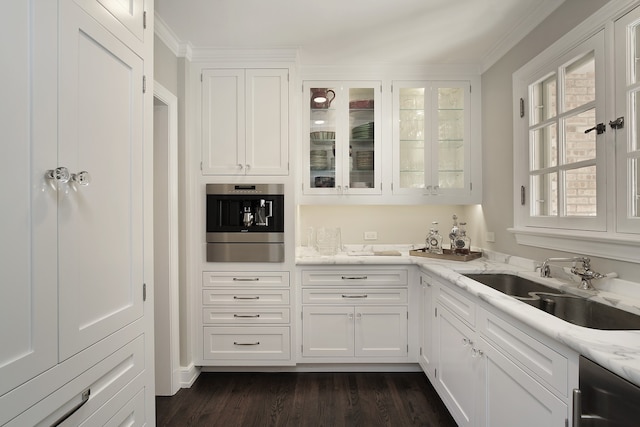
81, 178
60, 174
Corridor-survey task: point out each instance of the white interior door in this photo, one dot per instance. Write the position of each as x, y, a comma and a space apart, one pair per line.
28, 253
100, 224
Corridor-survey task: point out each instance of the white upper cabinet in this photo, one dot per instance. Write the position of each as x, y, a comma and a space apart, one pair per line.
341, 138
130, 19
434, 155
245, 122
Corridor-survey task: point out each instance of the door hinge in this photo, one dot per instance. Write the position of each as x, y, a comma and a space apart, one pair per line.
407, 348
301, 348
144, 292
407, 315
521, 107
435, 372
144, 84
144, 20
523, 193
200, 165
420, 351
381, 88
436, 312
471, 186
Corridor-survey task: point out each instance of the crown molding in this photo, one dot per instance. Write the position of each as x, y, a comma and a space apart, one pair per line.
519, 32
169, 38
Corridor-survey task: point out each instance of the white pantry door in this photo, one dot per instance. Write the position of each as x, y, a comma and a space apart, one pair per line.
28, 252
100, 227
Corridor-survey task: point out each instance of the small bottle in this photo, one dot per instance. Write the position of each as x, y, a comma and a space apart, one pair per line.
462, 242
434, 240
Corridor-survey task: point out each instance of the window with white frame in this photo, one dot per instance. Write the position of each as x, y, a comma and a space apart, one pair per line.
576, 149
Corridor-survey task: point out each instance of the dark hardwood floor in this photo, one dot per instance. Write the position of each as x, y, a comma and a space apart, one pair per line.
305, 399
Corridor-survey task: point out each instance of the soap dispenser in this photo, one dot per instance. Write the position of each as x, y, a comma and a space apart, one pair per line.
434, 240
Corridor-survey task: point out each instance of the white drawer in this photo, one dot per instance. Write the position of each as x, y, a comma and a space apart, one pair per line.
126, 408
233, 279
103, 381
459, 304
543, 362
354, 296
246, 343
242, 315
358, 277
239, 297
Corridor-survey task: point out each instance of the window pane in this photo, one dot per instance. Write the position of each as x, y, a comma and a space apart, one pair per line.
635, 52
543, 100
544, 147
580, 193
634, 189
544, 200
580, 146
412, 152
633, 126
579, 82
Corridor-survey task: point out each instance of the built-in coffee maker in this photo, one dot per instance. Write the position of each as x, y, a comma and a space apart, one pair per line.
245, 223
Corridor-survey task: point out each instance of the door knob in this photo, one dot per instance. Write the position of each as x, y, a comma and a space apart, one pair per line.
81, 178
60, 174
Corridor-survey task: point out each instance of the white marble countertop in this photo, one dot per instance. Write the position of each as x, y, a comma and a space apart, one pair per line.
618, 351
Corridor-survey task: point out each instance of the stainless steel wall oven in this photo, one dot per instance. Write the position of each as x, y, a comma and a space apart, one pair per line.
245, 223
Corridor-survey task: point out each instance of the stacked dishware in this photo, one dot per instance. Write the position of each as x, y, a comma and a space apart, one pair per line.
364, 160
318, 159
364, 131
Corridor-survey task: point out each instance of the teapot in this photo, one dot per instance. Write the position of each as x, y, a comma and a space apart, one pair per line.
321, 98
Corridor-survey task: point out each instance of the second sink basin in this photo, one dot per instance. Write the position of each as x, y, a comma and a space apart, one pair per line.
571, 308
510, 284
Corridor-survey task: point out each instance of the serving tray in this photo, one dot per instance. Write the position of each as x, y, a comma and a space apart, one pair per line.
446, 255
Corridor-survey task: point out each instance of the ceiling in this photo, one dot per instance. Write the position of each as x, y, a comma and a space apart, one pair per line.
358, 32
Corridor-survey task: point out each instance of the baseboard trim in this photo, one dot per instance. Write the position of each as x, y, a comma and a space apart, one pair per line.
188, 375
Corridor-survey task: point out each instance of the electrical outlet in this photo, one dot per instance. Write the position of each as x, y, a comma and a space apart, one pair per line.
490, 236
370, 235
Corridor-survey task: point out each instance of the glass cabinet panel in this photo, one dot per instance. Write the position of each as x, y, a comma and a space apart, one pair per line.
342, 156
431, 134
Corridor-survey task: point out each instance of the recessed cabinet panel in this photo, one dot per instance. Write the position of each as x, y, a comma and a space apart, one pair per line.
100, 219
328, 331
381, 331
28, 247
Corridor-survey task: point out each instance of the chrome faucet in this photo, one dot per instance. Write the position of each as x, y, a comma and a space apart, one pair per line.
585, 273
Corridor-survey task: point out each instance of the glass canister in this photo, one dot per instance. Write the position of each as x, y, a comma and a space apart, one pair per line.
328, 240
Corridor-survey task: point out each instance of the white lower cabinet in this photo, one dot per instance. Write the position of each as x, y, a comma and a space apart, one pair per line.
425, 328
92, 395
457, 367
246, 318
354, 331
511, 397
493, 371
351, 316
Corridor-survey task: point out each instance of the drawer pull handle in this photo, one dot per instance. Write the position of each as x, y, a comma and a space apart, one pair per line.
354, 277
237, 297
246, 315
85, 399
246, 343
246, 279
355, 296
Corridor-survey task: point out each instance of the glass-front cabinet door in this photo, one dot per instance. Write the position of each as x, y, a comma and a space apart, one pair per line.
431, 130
342, 134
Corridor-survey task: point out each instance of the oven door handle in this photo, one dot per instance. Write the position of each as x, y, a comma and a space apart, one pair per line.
577, 407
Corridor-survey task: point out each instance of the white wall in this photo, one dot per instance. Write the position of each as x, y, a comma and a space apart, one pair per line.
394, 224
497, 112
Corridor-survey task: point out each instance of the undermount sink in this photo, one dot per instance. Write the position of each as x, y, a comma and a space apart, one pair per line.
571, 308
